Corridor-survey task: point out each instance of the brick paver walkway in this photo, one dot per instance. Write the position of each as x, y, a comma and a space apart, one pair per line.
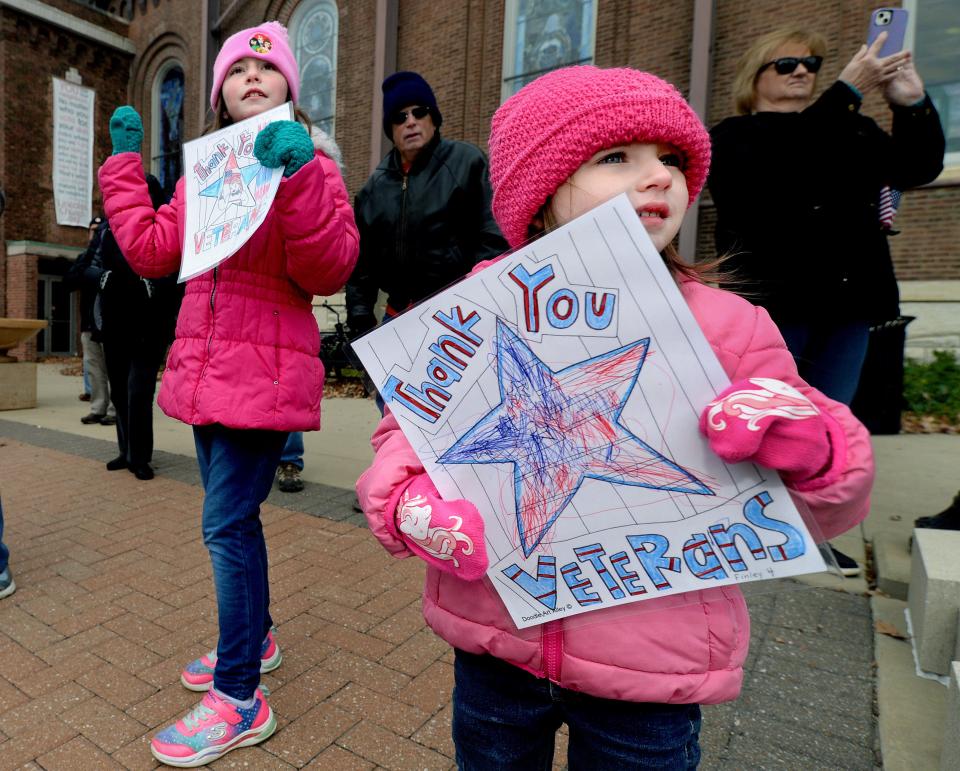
115, 595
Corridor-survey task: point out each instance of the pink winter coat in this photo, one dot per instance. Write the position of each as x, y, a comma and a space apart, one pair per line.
676, 649
247, 344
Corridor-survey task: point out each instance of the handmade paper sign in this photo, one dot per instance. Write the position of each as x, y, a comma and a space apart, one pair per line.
559, 390
228, 193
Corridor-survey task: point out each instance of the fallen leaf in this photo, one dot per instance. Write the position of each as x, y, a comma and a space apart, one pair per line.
889, 630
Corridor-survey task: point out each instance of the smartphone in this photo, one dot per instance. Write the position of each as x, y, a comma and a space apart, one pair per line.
893, 21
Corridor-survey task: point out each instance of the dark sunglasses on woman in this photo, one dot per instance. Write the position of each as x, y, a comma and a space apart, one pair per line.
400, 117
787, 64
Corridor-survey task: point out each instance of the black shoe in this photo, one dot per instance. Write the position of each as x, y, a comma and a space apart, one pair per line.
84, 397
848, 566
117, 463
948, 519
108, 420
356, 505
289, 479
92, 418
143, 472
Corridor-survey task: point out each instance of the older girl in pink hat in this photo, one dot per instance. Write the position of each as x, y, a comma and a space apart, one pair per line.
628, 684
244, 369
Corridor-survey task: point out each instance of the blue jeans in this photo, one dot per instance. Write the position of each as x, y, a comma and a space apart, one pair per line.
505, 718
237, 469
829, 356
4, 551
293, 450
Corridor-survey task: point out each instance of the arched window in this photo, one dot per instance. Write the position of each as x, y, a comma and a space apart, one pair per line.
167, 134
313, 31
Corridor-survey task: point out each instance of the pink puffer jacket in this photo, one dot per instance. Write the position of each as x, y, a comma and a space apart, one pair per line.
247, 344
675, 649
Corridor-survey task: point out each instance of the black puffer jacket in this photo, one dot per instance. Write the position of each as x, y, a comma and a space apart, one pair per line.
797, 196
130, 309
75, 280
422, 230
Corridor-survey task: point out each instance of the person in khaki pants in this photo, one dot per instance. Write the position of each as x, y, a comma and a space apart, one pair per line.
94, 363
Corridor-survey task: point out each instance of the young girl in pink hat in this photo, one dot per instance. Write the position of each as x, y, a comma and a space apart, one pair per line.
244, 369
628, 685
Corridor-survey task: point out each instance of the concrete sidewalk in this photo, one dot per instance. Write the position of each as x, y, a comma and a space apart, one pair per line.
115, 595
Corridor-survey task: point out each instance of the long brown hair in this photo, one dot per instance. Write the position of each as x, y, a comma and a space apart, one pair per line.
706, 271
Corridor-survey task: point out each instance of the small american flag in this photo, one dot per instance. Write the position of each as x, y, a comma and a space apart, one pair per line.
889, 203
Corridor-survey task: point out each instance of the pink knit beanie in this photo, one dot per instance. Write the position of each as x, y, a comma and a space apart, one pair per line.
267, 41
552, 126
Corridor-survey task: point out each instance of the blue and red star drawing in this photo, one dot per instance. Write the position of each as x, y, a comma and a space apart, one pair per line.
559, 428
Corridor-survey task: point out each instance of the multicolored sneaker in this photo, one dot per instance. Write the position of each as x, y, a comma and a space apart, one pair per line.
7, 585
198, 674
211, 729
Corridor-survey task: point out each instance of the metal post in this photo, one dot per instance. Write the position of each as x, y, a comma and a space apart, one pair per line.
384, 64
700, 66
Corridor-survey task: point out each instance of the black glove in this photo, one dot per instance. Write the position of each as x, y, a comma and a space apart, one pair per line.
358, 325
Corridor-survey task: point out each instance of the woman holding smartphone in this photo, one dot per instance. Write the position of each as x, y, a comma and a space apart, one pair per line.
797, 185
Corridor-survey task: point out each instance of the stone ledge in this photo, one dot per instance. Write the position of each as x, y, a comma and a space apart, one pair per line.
18, 385
891, 559
934, 597
950, 754
929, 291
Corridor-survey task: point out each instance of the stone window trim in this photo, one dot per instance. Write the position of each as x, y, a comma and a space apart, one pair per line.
156, 114
938, 90
516, 74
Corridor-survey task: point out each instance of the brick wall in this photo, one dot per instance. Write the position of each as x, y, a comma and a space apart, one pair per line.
34, 53
928, 246
22, 298
456, 45
3, 177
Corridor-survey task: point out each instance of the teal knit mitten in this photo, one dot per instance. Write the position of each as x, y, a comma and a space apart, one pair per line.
284, 143
126, 130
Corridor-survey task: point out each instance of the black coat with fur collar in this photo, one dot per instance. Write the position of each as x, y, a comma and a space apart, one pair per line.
797, 198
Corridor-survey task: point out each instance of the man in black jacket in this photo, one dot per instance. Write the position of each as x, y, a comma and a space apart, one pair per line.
424, 214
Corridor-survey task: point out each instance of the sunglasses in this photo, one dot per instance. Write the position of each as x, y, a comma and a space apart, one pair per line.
787, 64
400, 117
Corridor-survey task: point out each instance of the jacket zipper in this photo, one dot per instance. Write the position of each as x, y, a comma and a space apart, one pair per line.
203, 371
401, 231
551, 643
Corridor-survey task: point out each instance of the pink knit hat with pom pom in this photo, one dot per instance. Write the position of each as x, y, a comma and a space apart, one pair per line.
552, 126
269, 42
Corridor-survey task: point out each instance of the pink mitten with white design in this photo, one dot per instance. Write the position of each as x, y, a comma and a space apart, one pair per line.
445, 534
769, 423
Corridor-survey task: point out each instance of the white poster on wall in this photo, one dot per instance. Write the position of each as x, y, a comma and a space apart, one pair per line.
560, 390
72, 152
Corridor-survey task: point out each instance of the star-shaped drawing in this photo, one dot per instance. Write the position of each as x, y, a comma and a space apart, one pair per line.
559, 428
232, 170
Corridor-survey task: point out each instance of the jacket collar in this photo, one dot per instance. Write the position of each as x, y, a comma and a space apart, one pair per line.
393, 163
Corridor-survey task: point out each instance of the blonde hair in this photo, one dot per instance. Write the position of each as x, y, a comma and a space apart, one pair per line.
760, 53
